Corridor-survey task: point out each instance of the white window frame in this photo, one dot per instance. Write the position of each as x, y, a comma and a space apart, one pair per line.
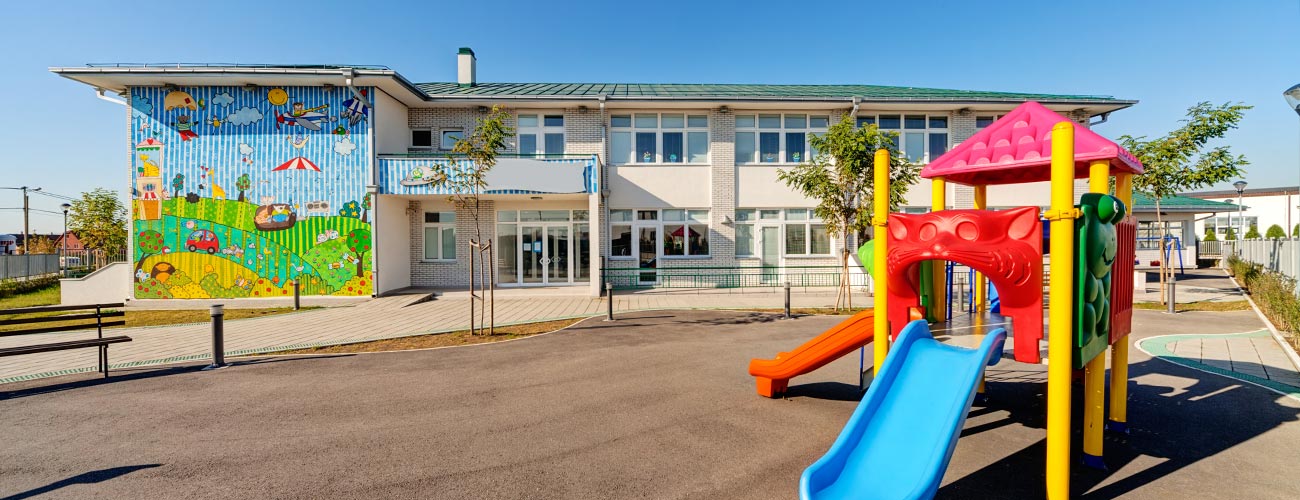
540, 131
635, 222
686, 130
442, 132
783, 150
902, 131
783, 221
411, 138
441, 226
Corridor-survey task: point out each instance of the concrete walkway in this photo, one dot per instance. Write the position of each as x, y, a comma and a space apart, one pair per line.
1253, 357
376, 319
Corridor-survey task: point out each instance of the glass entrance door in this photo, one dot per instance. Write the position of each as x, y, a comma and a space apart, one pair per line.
770, 258
556, 254
531, 246
647, 251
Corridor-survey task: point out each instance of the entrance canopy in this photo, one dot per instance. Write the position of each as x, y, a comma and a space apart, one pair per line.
1017, 148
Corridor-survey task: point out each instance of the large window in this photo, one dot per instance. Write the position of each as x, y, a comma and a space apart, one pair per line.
1148, 234
802, 232
685, 232
920, 138
777, 138
659, 138
440, 236
1220, 224
541, 133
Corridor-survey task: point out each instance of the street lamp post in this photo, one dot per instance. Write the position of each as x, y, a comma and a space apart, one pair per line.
1241, 216
63, 241
1292, 96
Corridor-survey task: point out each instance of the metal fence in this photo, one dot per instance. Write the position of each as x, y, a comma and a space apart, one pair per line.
1275, 255
729, 277
28, 265
1209, 249
72, 263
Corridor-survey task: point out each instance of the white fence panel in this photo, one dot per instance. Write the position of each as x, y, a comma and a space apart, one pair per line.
1275, 255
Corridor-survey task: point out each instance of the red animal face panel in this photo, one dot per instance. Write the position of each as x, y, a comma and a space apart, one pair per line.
1006, 246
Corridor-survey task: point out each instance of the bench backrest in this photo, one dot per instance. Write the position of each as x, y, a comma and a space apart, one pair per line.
92, 318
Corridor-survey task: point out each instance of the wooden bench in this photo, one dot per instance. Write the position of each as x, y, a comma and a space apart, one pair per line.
79, 321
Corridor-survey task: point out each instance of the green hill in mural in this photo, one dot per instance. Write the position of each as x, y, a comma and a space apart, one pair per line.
304, 234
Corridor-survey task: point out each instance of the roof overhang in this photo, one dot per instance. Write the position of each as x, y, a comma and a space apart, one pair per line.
974, 105
118, 78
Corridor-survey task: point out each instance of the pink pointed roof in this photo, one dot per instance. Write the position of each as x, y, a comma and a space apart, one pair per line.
1017, 148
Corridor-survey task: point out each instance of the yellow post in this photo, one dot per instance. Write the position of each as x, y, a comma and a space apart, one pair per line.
1119, 351
981, 203
1060, 302
939, 279
880, 206
1094, 373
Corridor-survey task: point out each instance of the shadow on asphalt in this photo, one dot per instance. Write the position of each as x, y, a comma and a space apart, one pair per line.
831, 391
92, 477
1180, 425
94, 379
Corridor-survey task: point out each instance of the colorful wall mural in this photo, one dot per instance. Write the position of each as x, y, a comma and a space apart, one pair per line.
239, 191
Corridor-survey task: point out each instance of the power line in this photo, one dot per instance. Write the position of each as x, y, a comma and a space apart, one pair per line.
53, 195
51, 212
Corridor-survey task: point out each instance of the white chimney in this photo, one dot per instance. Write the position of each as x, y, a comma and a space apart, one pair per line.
465, 63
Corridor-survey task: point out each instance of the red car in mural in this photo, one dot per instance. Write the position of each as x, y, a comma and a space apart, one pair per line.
203, 240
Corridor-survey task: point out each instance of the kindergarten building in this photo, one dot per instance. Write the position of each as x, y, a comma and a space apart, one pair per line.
245, 178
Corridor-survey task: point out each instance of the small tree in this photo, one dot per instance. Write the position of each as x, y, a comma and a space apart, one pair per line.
1275, 232
842, 181
40, 245
1295, 231
243, 183
365, 206
1253, 232
178, 184
1209, 234
150, 243
1179, 161
1232, 235
468, 180
359, 244
99, 219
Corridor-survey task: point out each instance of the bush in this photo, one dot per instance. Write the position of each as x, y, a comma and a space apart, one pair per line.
1232, 235
1253, 232
1273, 292
11, 288
1209, 234
1275, 232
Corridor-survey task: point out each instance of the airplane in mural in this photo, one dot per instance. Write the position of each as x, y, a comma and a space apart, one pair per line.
308, 118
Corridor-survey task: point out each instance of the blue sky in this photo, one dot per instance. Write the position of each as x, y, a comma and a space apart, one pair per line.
1166, 54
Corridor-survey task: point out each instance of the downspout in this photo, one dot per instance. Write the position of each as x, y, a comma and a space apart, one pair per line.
857, 101
100, 94
1104, 118
604, 216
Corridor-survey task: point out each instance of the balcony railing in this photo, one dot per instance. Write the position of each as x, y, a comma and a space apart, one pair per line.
426, 173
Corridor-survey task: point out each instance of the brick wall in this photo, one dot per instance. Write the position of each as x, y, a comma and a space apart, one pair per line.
437, 274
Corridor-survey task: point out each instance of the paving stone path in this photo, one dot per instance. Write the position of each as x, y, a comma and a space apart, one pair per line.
1253, 357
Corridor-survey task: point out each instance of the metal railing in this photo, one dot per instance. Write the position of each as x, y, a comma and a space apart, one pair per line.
1209, 248
626, 278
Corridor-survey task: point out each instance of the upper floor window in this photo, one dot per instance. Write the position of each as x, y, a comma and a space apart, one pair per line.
777, 138
541, 133
449, 138
921, 138
982, 121
421, 138
659, 138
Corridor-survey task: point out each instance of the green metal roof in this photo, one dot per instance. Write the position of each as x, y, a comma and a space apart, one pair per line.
739, 91
1146, 203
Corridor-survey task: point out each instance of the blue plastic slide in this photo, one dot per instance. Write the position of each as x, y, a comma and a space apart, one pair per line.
898, 442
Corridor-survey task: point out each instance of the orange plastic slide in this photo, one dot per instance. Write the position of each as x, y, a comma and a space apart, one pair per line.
773, 374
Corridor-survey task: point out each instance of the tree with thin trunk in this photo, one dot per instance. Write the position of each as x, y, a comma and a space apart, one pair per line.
99, 220
840, 178
465, 174
1183, 160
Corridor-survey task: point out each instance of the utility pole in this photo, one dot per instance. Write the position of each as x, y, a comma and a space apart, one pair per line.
26, 212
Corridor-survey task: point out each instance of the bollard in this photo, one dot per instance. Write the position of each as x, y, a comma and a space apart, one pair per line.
218, 338
609, 301
296, 303
787, 300
1173, 285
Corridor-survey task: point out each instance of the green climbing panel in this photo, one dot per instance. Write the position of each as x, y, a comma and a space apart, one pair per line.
1095, 249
